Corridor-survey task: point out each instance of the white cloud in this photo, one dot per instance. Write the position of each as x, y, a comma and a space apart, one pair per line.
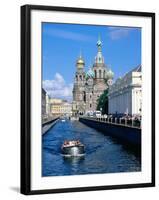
116, 33
57, 88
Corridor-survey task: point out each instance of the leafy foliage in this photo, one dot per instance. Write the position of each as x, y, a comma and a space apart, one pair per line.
102, 102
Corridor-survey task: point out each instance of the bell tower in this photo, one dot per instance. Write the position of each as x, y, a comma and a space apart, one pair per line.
79, 96
99, 67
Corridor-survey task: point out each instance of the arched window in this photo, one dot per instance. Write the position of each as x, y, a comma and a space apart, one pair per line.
90, 105
80, 77
76, 78
95, 73
100, 73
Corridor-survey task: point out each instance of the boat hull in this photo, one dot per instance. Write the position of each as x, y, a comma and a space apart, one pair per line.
73, 151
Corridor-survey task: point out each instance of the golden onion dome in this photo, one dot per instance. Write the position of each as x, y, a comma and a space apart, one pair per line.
80, 62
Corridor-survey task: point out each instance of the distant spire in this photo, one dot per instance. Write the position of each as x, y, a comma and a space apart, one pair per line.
80, 61
80, 55
99, 43
99, 58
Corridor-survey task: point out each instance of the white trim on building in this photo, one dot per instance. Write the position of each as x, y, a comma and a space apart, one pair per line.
125, 95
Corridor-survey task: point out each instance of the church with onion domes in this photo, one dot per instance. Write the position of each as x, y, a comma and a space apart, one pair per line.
89, 85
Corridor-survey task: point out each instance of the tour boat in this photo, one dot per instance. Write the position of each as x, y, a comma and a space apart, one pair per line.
72, 148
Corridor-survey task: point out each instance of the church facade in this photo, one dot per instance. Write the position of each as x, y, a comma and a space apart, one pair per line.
88, 86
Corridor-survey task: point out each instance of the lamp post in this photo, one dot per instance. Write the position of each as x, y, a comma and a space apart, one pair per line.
101, 113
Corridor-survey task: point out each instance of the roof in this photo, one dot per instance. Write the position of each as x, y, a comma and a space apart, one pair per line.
136, 69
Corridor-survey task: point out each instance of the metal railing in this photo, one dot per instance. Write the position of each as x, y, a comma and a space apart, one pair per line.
117, 121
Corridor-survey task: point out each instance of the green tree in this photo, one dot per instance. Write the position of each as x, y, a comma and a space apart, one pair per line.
102, 102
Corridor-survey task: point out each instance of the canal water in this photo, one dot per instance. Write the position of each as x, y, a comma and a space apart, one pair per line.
103, 153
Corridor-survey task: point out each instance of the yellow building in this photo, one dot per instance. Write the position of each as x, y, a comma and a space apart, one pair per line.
60, 107
66, 108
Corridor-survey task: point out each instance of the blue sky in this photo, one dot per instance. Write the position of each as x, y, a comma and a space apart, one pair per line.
62, 43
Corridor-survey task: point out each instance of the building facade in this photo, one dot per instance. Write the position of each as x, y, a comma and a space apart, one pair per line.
48, 105
125, 95
60, 107
43, 103
66, 109
88, 86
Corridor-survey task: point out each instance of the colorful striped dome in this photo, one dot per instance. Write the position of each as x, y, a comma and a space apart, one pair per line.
90, 73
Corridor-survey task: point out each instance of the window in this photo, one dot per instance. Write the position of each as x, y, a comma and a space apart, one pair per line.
100, 73
95, 73
90, 105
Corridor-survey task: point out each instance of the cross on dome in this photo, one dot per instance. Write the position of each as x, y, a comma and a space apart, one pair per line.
99, 43
99, 58
80, 61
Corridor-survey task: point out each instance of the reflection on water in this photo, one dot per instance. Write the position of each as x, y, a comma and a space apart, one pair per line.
103, 154
73, 160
